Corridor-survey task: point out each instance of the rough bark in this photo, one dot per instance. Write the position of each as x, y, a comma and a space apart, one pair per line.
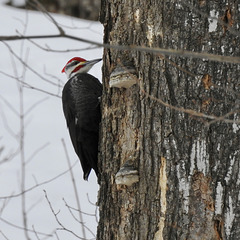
188, 166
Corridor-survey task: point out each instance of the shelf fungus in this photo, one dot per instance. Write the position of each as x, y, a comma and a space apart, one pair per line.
127, 175
123, 77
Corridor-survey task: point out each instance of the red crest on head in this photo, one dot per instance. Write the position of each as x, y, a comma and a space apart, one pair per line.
73, 59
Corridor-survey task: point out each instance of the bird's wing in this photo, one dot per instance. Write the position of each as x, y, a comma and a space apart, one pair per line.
70, 113
88, 103
73, 127
81, 107
83, 131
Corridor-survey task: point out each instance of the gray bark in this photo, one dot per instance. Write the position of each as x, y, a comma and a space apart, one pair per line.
188, 166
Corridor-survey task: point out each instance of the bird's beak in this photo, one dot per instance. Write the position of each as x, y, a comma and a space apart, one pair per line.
92, 62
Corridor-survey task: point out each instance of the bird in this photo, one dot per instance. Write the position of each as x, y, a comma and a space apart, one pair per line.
81, 107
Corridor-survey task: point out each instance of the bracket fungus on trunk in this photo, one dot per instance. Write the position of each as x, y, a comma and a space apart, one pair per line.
127, 175
123, 76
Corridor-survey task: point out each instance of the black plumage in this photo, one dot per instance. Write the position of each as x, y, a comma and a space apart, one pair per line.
81, 107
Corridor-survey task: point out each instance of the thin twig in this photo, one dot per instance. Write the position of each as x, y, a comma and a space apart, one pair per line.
6, 125
4, 204
41, 90
168, 52
22, 154
26, 85
75, 188
34, 205
188, 111
38, 185
57, 219
72, 214
191, 111
48, 49
9, 105
40, 7
96, 208
77, 210
34, 105
5, 237
9, 156
22, 228
36, 234
27, 66
36, 152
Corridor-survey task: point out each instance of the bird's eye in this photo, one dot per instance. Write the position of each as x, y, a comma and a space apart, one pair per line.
72, 64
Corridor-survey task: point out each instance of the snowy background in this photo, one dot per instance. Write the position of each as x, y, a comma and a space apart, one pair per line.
44, 127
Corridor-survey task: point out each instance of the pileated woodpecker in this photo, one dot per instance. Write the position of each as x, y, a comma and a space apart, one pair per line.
81, 107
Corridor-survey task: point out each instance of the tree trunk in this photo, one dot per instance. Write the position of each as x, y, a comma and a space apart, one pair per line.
183, 165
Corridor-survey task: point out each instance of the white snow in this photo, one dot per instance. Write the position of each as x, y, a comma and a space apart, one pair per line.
44, 126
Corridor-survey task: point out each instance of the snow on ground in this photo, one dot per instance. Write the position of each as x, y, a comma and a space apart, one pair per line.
44, 126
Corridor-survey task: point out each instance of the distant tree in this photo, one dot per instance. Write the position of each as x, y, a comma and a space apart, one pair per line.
176, 130
86, 9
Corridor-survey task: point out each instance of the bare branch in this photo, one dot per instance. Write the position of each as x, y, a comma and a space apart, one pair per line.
41, 90
38, 185
5, 237
20, 37
82, 223
10, 155
22, 228
9, 105
36, 152
26, 85
77, 210
5, 122
34, 204
190, 111
168, 52
193, 112
59, 80
75, 188
4, 204
48, 49
57, 219
34, 105
37, 5
22, 150
224, 118
35, 233
27, 66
